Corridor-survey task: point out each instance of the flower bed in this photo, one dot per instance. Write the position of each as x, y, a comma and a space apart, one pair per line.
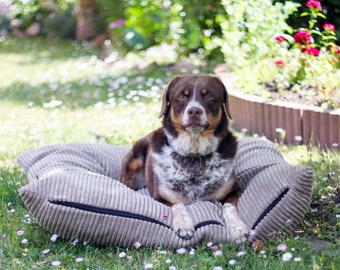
282, 121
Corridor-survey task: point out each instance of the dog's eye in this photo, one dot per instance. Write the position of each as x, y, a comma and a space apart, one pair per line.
181, 96
209, 96
184, 94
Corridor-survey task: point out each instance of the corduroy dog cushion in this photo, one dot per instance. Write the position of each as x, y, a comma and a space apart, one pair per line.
72, 192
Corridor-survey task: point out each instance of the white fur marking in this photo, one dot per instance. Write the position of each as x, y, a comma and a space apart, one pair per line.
235, 226
182, 222
206, 178
193, 143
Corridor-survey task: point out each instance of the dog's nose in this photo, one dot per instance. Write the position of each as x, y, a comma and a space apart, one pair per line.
195, 111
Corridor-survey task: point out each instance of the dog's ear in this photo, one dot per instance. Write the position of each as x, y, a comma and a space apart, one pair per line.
226, 104
225, 100
165, 98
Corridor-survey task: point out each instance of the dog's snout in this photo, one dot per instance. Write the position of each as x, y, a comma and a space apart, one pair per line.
195, 111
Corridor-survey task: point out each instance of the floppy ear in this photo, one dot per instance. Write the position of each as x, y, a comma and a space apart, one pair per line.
166, 98
226, 104
165, 102
225, 99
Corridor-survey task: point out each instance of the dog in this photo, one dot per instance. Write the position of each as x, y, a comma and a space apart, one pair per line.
190, 158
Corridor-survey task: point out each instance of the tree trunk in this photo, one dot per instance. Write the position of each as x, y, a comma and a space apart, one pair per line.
86, 20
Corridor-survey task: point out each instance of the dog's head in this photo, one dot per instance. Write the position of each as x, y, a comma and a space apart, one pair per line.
195, 104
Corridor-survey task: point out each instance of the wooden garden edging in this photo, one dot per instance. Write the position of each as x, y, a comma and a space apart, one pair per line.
301, 124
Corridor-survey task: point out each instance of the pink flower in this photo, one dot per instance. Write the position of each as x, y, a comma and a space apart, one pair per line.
328, 27
279, 63
302, 37
314, 4
20, 232
214, 248
116, 24
335, 49
280, 39
281, 247
311, 50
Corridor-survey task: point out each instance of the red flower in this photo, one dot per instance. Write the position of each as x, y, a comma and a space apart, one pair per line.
279, 63
311, 50
335, 49
328, 27
280, 38
303, 37
315, 4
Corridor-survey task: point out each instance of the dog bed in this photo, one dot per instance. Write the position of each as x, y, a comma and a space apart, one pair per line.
72, 192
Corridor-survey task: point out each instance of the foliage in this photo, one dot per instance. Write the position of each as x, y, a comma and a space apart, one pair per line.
257, 42
329, 7
57, 18
310, 56
26, 12
248, 29
187, 25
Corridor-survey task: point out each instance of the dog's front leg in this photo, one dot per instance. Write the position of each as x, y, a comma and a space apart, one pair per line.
183, 224
235, 226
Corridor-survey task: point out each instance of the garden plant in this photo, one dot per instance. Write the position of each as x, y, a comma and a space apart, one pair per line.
280, 61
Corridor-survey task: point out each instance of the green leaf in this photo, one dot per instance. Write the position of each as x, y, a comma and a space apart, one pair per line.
317, 32
321, 15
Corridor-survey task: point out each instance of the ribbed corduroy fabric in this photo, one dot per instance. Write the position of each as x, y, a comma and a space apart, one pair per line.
72, 191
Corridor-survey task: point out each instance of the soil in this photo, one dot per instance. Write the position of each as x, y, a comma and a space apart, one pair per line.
307, 95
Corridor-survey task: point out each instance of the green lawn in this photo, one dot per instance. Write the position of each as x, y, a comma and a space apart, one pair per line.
58, 91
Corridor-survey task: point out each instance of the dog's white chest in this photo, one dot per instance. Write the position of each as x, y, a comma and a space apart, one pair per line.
192, 178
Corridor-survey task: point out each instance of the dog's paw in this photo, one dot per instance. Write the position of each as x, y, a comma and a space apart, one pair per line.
184, 228
237, 230
182, 224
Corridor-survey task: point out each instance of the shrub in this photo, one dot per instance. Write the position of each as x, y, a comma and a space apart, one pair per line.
310, 57
247, 32
260, 47
185, 24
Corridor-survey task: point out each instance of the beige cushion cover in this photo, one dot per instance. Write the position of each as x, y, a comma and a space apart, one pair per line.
72, 192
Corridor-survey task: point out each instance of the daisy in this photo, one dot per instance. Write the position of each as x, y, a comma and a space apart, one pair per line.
55, 263
181, 251
218, 253
287, 256
122, 255
232, 262
54, 237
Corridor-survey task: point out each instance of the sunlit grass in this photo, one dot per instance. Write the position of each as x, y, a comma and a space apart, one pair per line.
57, 92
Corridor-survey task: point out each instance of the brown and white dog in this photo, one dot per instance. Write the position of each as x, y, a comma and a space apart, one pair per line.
190, 158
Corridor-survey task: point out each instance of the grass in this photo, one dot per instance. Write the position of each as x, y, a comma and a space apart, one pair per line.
58, 91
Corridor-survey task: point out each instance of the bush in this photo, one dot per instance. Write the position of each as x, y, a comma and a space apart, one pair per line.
249, 28
57, 18
310, 57
260, 47
60, 23
188, 25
